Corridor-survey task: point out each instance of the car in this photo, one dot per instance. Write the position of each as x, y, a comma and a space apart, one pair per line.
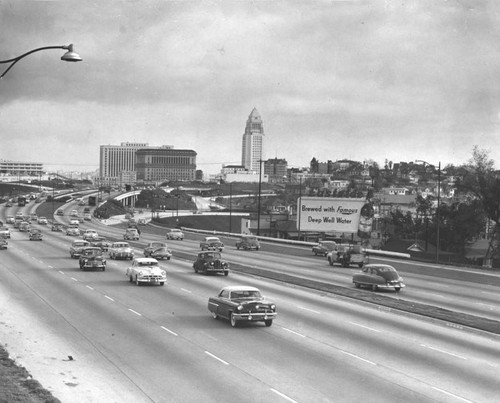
80, 219
3, 243
72, 231
24, 226
90, 235
378, 276
4, 232
56, 227
161, 254
77, 247
150, 247
346, 255
10, 219
59, 212
146, 270
248, 242
209, 262
175, 233
8, 204
87, 217
92, 258
33, 217
36, 235
101, 243
242, 304
322, 248
73, 213
74, 222
141, 221
120, 250
131, 234
19, 214
211, 243
42, 220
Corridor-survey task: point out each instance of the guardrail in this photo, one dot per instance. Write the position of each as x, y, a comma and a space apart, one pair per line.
375, 252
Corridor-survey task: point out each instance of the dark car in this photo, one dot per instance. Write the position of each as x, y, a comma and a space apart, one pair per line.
248, 242
91, 258
210, 262
57, 227
3, 243
36, 235
378, 276
242, 304
324, 247
101, 243
161, 254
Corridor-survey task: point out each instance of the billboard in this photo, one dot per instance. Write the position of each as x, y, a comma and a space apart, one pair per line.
323, 214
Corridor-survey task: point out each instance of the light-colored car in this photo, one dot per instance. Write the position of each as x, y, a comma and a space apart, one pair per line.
74, 213
42, 220
120, 250
4, 232
59, 212
248, 242
131, 234
74, 222
24, 226
72, 231
90, 235
211, 243
33, 217
10, 219
175, 233
146, 270
87, 217
77, 247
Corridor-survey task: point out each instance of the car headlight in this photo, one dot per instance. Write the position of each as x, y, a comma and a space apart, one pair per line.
140, 273
163, 273
240, 307
273, 307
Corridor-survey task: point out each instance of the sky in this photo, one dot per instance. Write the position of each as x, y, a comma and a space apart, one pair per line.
362, 80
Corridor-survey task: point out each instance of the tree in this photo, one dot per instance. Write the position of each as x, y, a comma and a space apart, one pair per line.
481, 181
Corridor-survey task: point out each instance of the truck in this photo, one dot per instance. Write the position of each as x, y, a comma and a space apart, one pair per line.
21, 201
92, 200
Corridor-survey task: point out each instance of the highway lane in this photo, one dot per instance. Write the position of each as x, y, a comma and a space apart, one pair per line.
164, 342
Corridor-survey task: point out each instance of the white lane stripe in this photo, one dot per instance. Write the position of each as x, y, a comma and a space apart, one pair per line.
61, 272
308, 310
168, 330
137, 313
451, 394
111, 299
74, 279
365, 327
183, 289
283, 395
444, 351
291, 331
89, 287
358, 357
217, 358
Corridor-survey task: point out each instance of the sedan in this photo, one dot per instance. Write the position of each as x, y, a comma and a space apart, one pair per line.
161, 254
378, 276
242, 304
146, 270
72, 231
324, 247
175, 234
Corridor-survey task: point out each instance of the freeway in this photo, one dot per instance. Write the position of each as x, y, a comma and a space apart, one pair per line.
159, 344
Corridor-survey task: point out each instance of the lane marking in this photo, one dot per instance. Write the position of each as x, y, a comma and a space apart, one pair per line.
358, 357
61, 272
89, 287
444, 351
183, 289
308, 309
491, 307
283, 395
74, 279
111, 299
168, 330
295, 333
137, 313
217, 358
451, 394
365, 327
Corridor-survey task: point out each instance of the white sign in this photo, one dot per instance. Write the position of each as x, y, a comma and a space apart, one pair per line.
323, 214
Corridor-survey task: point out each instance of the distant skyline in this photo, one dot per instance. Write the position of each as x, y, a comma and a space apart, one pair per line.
354, 79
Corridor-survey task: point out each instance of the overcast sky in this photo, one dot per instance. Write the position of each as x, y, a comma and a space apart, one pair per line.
396, 80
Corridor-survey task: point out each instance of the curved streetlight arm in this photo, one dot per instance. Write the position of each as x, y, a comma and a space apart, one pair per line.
69, 56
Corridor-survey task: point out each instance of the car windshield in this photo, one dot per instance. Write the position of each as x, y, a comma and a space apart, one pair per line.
120, 245
246, 294
212, 240
92, 252
148, 263
211, 256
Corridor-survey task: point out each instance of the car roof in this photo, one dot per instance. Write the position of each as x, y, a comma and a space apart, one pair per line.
231, 288
209, 238
373, 265
145, 260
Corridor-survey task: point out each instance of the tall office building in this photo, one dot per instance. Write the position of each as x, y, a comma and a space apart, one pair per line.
253, 139
113, 160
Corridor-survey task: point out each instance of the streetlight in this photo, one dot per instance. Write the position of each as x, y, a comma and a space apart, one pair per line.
69, 56
258, 204
438, 204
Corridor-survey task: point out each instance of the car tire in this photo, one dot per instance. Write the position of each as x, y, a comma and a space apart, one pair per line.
162, 283
226, 273
232, 319
397, 289
103, 268
360, 265
238, 247
195, 269
330, 262
268, 322
130, 279
137, 282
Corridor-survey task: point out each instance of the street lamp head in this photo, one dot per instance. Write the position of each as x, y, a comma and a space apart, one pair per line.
71, 56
